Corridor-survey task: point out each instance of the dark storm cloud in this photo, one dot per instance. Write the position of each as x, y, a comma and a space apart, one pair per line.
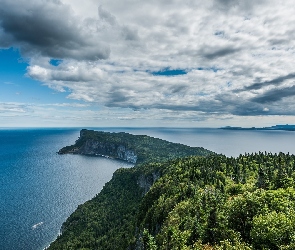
274, 95
49, 28
259, 85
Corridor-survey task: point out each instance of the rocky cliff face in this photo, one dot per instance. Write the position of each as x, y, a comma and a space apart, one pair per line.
94, 147
146, 181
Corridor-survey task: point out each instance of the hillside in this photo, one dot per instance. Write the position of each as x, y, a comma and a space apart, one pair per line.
224, 203
213, 202
108, 221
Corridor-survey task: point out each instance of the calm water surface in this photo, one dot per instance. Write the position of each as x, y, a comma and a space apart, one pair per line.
40, 189
228, 142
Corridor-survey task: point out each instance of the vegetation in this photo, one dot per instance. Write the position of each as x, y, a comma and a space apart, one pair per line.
108, 221
213, 202
221, 203
147, 148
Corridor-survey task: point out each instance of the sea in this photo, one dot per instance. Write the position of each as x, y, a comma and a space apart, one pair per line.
39, 189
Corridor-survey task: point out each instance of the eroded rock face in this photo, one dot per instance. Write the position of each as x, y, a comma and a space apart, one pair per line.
146, 181
93, 147
126, 154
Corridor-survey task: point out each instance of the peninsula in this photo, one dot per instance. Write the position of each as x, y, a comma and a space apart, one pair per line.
128, 147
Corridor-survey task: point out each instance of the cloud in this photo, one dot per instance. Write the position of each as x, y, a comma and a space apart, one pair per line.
165, 58
49, 28
75, 105
12, 108
275, 81
106, 16
240, 5
213, 53
275, 95
81, 72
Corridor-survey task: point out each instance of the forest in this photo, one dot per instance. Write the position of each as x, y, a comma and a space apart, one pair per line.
194, 202
221, 203
147, 148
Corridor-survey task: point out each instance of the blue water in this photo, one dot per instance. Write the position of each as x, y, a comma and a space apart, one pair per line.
40, 189
227, 142
39, 186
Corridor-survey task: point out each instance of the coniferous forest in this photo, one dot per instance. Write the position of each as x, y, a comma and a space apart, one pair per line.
195, 202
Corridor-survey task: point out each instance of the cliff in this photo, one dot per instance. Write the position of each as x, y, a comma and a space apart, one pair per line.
96, 143
118, 151
128, 147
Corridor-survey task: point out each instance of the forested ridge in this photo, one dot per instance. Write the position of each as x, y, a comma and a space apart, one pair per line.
108, 221
147, 148
194, 202
217, 202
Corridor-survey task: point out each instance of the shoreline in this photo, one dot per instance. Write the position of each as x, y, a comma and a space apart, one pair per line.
46, 248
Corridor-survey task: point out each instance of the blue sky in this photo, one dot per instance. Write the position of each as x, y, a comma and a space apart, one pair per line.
155, 63
17, 87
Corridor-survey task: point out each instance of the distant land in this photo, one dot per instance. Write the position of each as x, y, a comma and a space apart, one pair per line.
276, 127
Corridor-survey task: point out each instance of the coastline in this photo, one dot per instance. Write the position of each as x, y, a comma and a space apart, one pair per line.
46, 248
286, 127
200, 137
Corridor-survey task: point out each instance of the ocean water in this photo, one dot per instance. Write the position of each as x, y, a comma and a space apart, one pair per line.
227, 142
39, 189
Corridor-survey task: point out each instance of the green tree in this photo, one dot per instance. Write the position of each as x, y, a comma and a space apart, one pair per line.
273, 230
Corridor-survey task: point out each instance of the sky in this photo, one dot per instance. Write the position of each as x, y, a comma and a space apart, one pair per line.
163, 63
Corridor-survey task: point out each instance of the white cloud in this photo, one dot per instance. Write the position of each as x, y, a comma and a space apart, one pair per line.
111, 49
12, 108
74, 105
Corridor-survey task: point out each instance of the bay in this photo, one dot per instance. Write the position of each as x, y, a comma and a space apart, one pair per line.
40, 189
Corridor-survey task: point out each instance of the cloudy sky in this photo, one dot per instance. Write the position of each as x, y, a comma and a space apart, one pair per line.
147, 63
